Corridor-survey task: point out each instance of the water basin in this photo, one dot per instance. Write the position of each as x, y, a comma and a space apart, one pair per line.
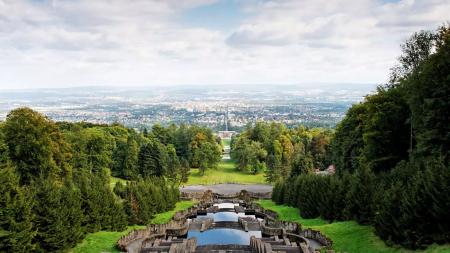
224, 216
223, 236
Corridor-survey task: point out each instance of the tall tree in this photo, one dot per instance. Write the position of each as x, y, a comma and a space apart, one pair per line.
16, 217
35, 145
125, 158
152, 159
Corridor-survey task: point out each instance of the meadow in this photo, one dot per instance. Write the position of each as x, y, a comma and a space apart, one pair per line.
105, 241
347, 236
226, 172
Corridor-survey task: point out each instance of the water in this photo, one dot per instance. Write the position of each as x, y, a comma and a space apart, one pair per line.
224, 216
226, 205
223, 236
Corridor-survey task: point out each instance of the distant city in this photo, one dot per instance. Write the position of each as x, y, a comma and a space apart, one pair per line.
312, 106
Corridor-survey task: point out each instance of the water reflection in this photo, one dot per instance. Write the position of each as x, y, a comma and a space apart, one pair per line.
226, 205
223, 236
224, 216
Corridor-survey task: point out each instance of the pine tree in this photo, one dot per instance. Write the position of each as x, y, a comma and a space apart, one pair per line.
16, 217
55, 230
184, 170
152, 159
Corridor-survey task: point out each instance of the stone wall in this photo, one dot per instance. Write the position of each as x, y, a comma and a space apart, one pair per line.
318, 236
175, 228
271, 224
209, 196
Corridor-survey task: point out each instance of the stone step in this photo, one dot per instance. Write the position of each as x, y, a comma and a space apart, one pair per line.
230, 248
226, 224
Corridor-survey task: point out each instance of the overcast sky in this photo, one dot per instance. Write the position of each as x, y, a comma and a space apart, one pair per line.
178, 42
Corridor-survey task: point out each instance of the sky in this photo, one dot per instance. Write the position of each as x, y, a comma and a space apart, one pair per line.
70, 43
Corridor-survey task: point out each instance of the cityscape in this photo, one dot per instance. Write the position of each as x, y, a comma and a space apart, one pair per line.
207, 106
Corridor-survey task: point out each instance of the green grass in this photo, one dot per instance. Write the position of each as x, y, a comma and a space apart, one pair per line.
114, 180
225, 173
347, 236
288, 213
165, 217
226, 142
105, 241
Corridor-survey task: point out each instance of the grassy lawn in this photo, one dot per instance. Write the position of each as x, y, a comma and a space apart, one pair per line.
105, 241
347, 236
225, 173
114, 180
226, 142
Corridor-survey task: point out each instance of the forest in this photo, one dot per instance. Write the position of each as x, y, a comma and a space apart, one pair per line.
391, 153
55, 177
279, 151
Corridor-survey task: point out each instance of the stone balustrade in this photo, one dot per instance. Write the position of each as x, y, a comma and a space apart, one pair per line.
318, 236
292, 233
175, 228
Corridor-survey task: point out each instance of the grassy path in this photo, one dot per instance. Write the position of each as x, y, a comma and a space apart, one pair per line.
347, 236
225, 173
105, 241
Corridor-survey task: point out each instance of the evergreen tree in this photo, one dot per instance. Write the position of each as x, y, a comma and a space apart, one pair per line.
55, 231
16, 217
152, 159
184, 170
125, 159
173, 165
359, 201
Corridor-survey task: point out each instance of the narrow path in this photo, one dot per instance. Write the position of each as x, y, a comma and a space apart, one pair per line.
228, 188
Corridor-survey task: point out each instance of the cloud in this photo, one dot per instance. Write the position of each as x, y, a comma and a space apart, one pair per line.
60, 42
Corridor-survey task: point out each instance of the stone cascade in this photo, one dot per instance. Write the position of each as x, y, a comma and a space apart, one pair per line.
153, 231
249, 224
272, 226
171, 245
276, 245
209, 196
277, 236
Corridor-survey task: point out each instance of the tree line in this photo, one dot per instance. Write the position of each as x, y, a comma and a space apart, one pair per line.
392, 154
55, 177
280, 152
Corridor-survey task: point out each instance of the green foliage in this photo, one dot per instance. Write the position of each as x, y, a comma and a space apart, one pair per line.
152, 160
184, 170
385, 130
279, 151
204, 154
144, 198
35, 145
58, 216
125, 158
347, 236
45, 206
16, 228
392, 154
414, 210
105, 241
101, 209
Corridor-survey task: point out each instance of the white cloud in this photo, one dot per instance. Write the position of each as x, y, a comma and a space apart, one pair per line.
68, 43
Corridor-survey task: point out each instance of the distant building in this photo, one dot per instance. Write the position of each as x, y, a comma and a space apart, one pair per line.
226, 134
329, 171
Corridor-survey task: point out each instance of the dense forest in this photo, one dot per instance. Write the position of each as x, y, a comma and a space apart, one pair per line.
391, 153
279, 151
55, 177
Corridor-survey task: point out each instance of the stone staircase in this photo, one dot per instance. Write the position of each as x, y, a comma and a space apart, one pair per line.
232, 248
226, 224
